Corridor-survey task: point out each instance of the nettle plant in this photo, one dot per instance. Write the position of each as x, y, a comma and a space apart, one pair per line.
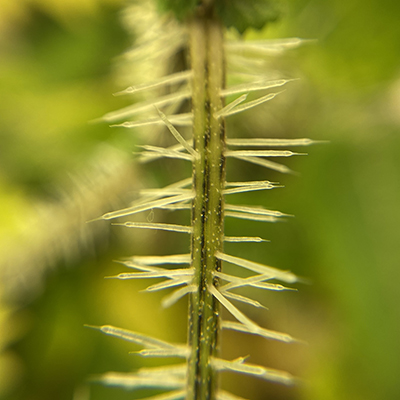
196, 29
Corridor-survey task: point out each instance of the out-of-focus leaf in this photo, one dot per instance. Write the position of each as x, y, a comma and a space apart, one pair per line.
180, 8
248, 14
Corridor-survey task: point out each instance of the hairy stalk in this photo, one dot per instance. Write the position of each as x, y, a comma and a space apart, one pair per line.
207, 287
207, 58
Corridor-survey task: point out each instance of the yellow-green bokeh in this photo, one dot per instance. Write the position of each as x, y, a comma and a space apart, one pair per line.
58, 68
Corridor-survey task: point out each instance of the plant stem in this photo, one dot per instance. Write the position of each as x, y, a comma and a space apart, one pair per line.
207, 59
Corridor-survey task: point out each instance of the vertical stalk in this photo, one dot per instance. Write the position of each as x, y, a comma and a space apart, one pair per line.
207, 59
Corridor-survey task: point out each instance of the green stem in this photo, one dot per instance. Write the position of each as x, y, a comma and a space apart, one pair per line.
207, 59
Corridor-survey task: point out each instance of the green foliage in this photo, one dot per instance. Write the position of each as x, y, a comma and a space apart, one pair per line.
248, 14
238, 14
180, 8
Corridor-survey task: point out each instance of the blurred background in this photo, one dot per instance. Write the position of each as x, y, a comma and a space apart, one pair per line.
59, 65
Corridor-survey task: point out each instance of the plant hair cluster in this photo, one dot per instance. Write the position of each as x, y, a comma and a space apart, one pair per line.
191, 105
